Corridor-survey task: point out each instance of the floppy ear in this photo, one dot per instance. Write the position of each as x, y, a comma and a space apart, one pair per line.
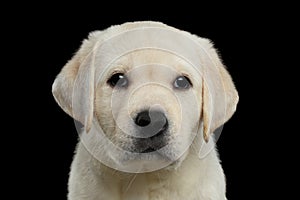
73, 88
219, 96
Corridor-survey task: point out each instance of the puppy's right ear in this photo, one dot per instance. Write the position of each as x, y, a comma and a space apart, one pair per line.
62, 88
73, 88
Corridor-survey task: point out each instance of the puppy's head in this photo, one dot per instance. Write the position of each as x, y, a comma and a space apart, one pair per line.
149, 89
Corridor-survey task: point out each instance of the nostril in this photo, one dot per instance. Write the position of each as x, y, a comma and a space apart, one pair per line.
143, 119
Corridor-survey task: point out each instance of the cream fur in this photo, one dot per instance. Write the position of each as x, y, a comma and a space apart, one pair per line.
190, 177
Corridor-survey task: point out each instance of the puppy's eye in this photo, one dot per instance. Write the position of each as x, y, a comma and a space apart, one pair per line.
119, 80
182, 82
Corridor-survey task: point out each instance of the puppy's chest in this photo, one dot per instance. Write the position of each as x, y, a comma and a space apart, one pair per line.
145, 188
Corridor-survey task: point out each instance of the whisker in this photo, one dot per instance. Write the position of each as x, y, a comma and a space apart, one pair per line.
130, 183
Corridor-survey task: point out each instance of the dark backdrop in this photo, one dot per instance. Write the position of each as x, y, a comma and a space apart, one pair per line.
48, 40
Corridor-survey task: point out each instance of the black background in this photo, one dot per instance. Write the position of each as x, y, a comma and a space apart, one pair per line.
47, 40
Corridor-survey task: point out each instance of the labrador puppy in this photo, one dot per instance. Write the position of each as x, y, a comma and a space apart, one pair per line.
148, 98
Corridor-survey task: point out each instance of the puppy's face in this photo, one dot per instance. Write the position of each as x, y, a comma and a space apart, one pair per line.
145, 92
149, 103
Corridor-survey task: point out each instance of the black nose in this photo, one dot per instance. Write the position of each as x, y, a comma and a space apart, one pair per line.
151, 122
143, 119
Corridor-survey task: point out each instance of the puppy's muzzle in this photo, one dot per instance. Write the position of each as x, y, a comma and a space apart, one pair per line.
152, 126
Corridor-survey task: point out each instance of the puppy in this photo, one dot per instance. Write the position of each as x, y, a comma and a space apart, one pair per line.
149, 97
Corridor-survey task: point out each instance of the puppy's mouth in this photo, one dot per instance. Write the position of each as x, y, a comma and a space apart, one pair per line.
153, 143
149, 150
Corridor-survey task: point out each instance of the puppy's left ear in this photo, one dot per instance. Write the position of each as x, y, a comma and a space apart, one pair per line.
73, 88
219, 96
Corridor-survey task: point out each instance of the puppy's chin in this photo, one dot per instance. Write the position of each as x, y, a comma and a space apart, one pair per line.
140, 162
148, 162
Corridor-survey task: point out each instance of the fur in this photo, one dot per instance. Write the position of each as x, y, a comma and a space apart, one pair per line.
81, 90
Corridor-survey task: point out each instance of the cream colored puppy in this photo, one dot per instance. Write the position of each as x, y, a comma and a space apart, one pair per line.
149, 97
